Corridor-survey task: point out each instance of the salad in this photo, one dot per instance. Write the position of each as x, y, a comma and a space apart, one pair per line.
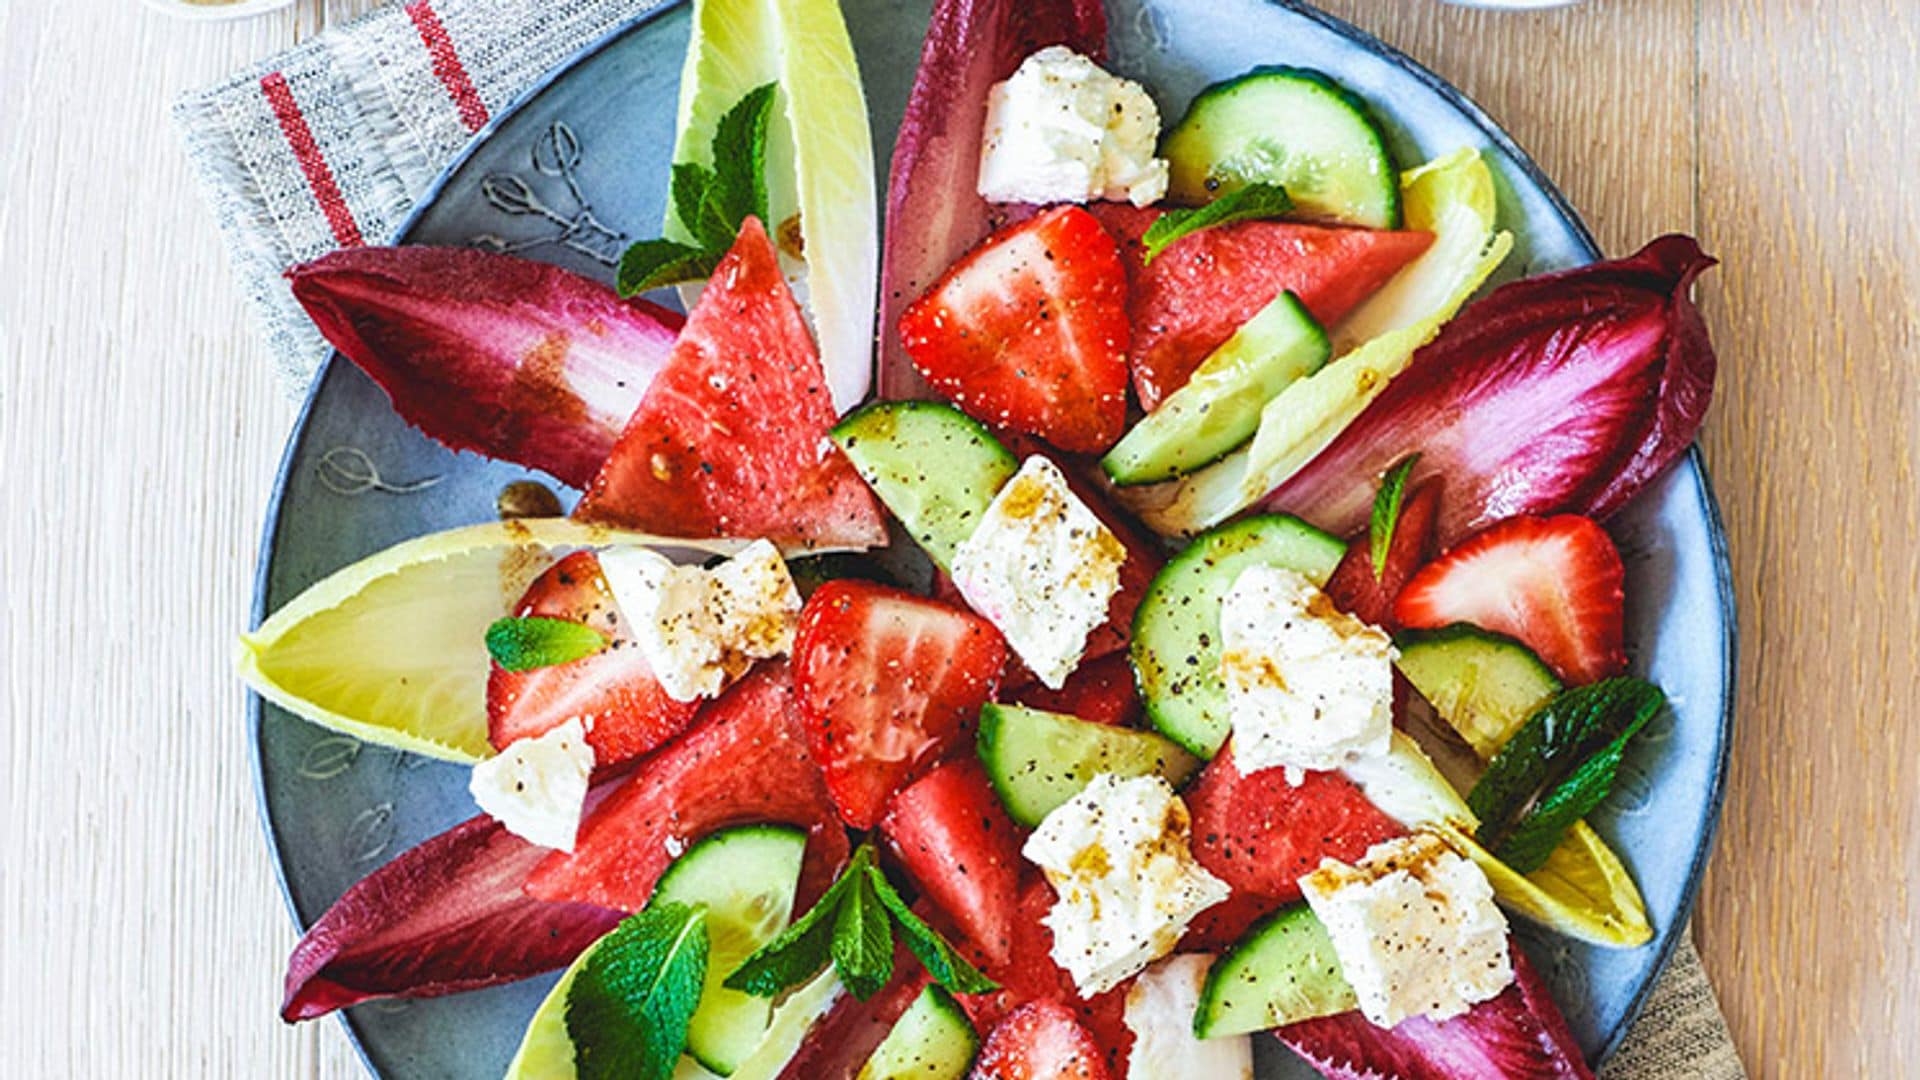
1177, 610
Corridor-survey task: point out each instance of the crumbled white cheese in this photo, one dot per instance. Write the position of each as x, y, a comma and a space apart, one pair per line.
1415, 928
701, 629
1308, 686
1061, 129
1160, 1010
1119, 858
1042, 568
537, 786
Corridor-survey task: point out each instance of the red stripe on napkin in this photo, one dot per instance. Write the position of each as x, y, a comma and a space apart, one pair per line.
447, 65
306, 151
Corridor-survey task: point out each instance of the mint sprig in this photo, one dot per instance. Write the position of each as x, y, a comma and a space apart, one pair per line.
1559, 766
852, 927
1240, 204
1386, 513
535, 641
631, 1003
710, 202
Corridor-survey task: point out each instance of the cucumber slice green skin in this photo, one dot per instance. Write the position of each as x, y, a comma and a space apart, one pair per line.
1176, 631
936, 468
1219, 407
932, 1040
1288, 126
747, 878
1282, 972
1038, 760
1484, 685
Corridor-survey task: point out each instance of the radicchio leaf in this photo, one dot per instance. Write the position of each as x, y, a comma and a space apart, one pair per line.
1519, 1035
1564, 393
933, 215
445, 916
510, 358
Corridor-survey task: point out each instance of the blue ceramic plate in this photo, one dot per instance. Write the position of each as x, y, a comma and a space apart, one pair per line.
580, 166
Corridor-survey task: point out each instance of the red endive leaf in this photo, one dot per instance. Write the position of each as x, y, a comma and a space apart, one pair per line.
933, 215
445, 916
1519, 1035
1564, 393
507, 357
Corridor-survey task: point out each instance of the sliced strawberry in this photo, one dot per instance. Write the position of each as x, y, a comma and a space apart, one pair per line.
950, 832
1040, 1041
1554, 583
746, 761
626, 711
1030, 975
1260, 833
1029, 331
888, 681
1354, 588
731, 438
1519, 1035
444, 916
1101, 691
501, 355
1196, 293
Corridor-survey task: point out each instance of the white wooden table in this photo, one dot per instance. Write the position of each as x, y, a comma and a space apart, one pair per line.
140, 929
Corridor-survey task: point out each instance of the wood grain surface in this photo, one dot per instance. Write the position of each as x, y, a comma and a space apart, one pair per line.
141, 933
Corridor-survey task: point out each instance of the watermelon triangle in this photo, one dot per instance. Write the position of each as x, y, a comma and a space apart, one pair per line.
1198, 291
731, 438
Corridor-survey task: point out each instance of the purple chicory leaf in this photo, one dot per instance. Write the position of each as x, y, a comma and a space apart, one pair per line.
933, 214
445, 916
1564, 393
1519, 1035
510, 358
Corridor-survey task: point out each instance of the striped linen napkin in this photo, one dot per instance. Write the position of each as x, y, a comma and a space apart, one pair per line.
331, 144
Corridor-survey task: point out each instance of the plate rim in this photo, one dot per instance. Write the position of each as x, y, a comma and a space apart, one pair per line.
1694, 461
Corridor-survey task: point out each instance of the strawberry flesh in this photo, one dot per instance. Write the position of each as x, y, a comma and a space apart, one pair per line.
1556, 584
1040, 1040
1100, 691
444, 916
744, 762
1029, 331
1356, 590
626, 711
730, 439
503, 356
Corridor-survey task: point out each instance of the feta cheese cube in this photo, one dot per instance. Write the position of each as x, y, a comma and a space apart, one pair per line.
537, 786
1061, 129
1119, 857
1308, 686
1160, 1010
1415, 928
1042, 568
702, 629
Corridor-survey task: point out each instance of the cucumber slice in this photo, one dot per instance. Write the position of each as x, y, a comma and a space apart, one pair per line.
1219, 408
932, 1040
1292, 127
1176, 631
1283, 971
935, 467
1038, 760
1484, 685
746, 877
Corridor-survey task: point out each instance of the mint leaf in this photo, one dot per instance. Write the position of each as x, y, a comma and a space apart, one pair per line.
797, 953
947, 966
862, 937
740, 159
710, 203
1386, 513
650, 264
1240, 204
537, 642
1564, 756
629, 1006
